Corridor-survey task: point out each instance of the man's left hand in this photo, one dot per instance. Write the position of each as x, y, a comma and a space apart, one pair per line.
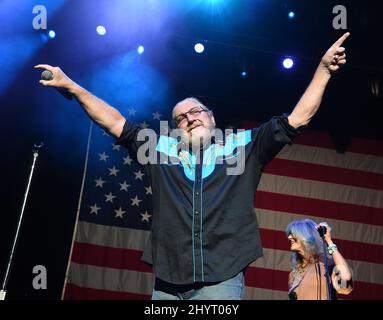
335, 57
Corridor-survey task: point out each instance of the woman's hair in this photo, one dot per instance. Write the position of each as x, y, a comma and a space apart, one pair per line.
306, 232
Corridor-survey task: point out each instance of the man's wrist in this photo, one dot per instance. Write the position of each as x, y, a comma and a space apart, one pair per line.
324, 71
75, 89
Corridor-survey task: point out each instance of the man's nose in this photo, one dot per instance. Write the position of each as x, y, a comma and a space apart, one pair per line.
190, 118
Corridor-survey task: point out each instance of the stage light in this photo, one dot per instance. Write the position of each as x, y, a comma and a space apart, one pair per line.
101, 30
199, 48
243, 74
51, 34
140, 49
288, 63
291, 15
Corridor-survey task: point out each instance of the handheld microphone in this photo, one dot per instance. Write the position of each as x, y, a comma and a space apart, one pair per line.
322, 230
48, 75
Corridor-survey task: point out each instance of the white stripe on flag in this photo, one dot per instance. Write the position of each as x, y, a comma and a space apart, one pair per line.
345, 230
329, 157
109, 236
280, 260
252, 293
321, 190
110, 279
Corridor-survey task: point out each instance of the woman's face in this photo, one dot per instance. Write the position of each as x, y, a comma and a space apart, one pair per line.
295, 244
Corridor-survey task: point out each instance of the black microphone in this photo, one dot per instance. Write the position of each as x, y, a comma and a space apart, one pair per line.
48, 75
322, 230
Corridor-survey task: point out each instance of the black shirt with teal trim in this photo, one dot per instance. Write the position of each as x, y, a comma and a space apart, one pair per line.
204, 228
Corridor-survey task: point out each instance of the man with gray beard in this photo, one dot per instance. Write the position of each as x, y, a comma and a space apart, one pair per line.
204, 230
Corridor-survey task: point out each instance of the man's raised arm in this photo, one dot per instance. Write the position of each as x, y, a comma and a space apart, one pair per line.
309, 103
98, 110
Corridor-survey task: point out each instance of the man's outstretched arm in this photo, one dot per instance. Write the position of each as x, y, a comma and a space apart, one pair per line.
309, 103
98, 110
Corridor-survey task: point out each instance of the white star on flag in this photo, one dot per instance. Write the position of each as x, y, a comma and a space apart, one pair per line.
104, 133
103, 156
94, 208
135, 201
145, 216
148, 190
119, 213
116, 147
99, 182
128, 160
124, 186
138, 175
113, 171
144, 125
156, 115
132, 111
109, 197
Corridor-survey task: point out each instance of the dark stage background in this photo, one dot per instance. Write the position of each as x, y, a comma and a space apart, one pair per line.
240, 35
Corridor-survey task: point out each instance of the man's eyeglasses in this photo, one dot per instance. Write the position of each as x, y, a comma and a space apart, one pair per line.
183, 116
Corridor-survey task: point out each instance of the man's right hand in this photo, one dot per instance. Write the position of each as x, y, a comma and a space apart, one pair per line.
60, 79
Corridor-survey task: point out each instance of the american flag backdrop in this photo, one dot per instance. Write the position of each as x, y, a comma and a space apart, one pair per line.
308, 179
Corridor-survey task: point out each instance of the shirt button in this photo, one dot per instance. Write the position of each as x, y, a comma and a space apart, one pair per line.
196, 235
197, 193
196, 212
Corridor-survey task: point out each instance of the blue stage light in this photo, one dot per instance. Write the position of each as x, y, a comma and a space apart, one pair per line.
51, 34
288, 63
243, 74
101, 30
199, 48
140, 49
291, 15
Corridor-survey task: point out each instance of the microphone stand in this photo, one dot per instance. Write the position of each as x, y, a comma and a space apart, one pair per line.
322, 232
3, 290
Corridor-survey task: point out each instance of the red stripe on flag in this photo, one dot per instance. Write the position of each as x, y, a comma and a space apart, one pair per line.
255, 277
266, 278
277, 280
129, 259
324, 140
74, 292
319, 139
365, 291
324, 173
350, 249
102, 256
317, 207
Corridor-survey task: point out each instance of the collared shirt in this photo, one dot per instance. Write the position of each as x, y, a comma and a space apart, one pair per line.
204, 227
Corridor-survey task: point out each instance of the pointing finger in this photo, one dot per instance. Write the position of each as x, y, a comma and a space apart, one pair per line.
339, 42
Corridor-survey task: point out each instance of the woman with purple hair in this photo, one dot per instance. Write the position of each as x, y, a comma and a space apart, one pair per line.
307, 279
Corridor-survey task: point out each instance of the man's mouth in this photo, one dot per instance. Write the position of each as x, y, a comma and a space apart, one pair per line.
193, 127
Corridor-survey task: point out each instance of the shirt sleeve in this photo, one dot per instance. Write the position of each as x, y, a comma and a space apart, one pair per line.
128, 139
271, 137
